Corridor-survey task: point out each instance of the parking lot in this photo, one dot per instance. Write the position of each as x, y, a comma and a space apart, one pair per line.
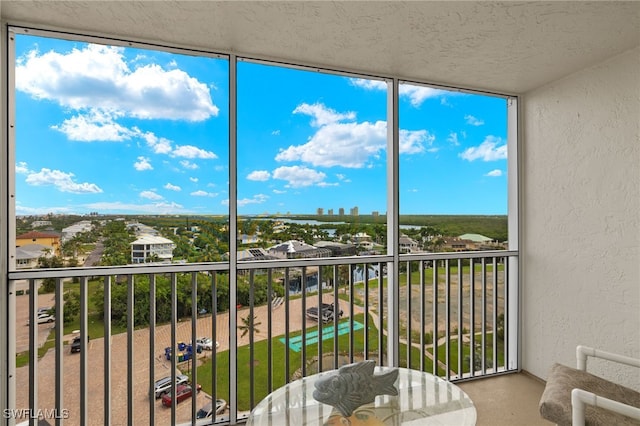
119, 352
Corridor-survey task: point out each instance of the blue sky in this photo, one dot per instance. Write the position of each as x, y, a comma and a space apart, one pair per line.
131, 131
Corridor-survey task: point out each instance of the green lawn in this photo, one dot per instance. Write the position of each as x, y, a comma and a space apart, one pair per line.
453, 353
261, 368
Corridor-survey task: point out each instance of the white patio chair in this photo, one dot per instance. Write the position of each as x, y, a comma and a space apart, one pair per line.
576, 397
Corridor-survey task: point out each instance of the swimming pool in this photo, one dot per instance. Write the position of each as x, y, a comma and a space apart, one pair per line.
295, 342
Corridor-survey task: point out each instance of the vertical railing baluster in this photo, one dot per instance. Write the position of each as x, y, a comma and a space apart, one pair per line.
408, 316
336, 305
174, 355
269, 330
33, 348
483, 337
286, 326
495, 315
447, 315
320, 325
130, 349
107, 350
435, 318
351, 313
366, 311
505, 313
214, 339
152, 348
194, 345
303, 301
423, 313
84, 346
381, 345
472, 315
251, 330
59, 333
460, 317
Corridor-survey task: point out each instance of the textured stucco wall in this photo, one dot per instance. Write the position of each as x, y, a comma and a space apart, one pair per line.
581, 217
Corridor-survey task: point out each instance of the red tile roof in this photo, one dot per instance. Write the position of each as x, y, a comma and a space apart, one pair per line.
36, 234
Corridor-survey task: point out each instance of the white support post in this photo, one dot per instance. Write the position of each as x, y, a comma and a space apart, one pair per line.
393, 281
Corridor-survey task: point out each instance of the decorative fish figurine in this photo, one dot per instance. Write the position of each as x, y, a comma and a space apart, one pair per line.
354, 385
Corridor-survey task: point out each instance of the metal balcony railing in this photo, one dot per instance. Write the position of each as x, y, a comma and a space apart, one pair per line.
269, 322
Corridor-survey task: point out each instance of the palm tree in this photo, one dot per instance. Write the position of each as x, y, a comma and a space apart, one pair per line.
249, 324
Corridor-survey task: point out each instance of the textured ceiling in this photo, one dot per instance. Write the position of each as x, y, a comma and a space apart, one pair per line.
509, 47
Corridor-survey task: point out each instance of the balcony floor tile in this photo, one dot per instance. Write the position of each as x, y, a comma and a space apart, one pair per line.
509, 400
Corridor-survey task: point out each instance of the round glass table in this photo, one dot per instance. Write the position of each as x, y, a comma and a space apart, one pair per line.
423, 399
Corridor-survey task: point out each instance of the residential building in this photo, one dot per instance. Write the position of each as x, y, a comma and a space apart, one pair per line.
337, 249
71, 231
27, 255
293, 249
152, 248
40, 223
49, 240
408, 245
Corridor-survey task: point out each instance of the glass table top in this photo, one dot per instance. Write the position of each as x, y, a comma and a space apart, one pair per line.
423, 399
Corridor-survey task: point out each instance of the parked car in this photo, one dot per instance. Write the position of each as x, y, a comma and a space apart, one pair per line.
207, 410
182, 392
327, 313
44, 318
205, 343
75, 344
45, 310
163, 385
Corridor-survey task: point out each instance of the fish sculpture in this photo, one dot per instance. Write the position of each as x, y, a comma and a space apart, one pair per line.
354, 385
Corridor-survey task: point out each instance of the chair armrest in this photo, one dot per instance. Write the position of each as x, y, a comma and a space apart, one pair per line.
579, 399
582, 352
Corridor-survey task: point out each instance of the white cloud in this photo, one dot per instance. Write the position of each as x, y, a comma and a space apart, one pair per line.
21, 167
188, 165
96, 125
259, 175
119, 207
322, 115
157, 145
350, 144
453, 139
61, 181
171, 187
24, 210
151, 195
491, 149
190, 151
257, 199
142, 164
298, 176
413, 142
369, 84
276, 133
278, 191
97, 76
193, 179
201, 193
416, 94
494, 173
470, 119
